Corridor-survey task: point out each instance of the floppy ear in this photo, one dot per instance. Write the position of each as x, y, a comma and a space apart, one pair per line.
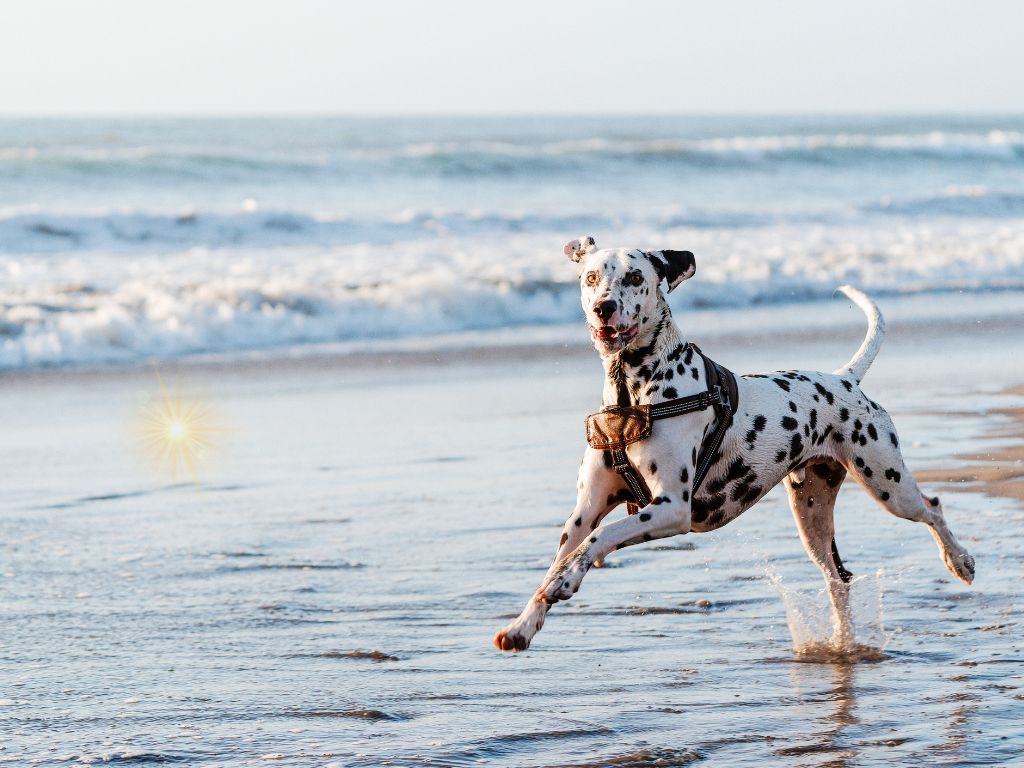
673, 266
577, 249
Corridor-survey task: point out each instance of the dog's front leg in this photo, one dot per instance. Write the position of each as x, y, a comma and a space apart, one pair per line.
662, 517
598, 491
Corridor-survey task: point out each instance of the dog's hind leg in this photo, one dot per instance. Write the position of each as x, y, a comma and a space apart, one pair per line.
812, 498
878, 466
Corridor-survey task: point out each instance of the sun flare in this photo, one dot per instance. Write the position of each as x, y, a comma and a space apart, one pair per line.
178, 432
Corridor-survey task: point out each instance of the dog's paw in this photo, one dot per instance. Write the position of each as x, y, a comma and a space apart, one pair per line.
510, 640
960, 564
518, 634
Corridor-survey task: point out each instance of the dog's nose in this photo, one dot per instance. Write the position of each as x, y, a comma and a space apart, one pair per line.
605, 309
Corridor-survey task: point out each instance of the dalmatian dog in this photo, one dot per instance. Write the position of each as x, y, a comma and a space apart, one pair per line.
805, 429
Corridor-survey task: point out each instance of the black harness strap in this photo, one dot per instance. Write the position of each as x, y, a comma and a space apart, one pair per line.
721, 394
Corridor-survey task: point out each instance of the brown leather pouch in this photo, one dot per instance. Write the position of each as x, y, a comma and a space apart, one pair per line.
618, 426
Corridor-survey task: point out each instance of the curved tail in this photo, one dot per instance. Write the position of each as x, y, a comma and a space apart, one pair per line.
858, 365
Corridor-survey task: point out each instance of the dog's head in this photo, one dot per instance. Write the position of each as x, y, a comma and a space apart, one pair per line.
621, 288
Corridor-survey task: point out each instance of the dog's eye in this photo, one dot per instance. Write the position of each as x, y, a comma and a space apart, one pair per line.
593, 278
635, 278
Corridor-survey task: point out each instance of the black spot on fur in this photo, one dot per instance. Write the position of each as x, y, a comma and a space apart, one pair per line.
829, 397
893, 440
857, 425
760, 422
884, 496
868, 471
736, 470
686, 495
848, 385
577, 522
858, 461
844, 414
654, 467
751, 437
792, 406
783, 384
796, 446
788, 422
814, 419
872, 432
680, 369
830, 473
670, 392
780, 457
694, 374
645, 516
892, 474
684, 475
837, 437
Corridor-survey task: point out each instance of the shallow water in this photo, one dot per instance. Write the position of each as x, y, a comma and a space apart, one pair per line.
328, 594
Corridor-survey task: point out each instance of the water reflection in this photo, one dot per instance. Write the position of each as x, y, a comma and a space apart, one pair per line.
829, 713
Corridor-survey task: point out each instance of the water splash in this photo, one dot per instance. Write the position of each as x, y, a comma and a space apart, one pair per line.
809, 617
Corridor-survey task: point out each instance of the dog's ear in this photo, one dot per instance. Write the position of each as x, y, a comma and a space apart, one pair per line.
577, 249
673, 266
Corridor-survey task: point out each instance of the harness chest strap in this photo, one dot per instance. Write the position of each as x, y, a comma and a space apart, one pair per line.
722, 394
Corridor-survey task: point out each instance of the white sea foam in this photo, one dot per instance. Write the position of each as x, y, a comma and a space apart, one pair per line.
109, 305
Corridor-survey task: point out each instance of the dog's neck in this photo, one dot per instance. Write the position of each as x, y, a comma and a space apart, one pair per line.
648, 370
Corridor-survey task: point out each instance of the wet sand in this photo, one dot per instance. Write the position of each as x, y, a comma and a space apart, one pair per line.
327, 595
998, 471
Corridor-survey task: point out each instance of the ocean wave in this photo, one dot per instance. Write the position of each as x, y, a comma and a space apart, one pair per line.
24, 232
115, 307
991, 145
475, 157
960, 201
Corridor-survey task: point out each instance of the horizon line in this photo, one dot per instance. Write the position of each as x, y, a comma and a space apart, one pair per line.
947, 112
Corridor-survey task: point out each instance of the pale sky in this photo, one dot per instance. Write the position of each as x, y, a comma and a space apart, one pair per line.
481, 56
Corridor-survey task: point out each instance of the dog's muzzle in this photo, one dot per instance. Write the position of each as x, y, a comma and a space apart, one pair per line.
609, 334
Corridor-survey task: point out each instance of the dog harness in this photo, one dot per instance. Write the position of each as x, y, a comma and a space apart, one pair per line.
616, 426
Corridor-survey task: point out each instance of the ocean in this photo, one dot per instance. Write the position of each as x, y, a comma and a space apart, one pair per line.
134, 240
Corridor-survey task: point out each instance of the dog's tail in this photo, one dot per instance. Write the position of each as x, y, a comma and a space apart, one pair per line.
858, 365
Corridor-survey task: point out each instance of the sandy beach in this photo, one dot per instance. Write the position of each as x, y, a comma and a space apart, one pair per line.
327, 593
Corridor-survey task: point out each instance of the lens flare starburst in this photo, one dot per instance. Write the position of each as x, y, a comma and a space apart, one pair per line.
178, 432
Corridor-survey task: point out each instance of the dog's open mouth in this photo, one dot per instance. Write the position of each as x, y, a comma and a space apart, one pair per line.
610, 335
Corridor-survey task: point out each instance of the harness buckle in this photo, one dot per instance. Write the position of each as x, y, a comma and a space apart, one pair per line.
720, 396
